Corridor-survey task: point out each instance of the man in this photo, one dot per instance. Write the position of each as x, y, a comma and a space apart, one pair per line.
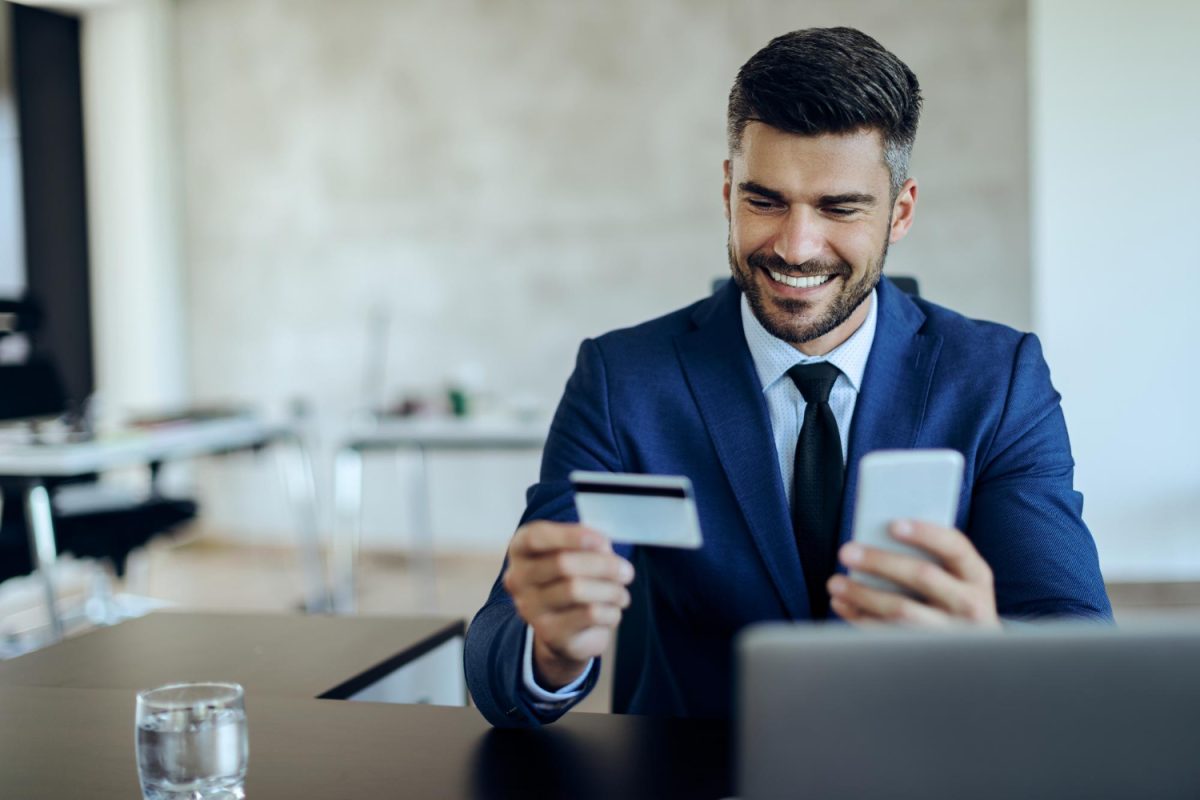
767, 395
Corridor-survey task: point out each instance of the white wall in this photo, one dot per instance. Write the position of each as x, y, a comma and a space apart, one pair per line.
1116, 105
504, 179
138, 307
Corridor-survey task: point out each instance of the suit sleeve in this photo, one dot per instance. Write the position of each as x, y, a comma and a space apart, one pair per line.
1026, 517
581, 437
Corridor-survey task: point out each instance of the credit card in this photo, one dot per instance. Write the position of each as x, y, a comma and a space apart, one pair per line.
656, 510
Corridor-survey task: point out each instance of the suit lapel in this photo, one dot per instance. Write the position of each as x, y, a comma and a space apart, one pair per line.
720, 372
888, 415
895, 387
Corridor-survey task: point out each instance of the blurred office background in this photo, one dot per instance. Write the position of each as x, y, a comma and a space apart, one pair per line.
340, 205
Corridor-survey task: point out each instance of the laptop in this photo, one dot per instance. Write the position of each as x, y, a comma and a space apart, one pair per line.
1052, 710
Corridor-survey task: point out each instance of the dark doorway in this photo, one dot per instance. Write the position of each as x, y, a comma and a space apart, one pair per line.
47, 80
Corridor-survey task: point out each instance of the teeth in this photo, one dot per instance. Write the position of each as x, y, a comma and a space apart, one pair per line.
800, 283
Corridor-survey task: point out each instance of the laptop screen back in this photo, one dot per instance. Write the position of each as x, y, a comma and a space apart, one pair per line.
1049, 711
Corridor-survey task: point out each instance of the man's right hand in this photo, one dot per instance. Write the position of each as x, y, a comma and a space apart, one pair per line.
569, 586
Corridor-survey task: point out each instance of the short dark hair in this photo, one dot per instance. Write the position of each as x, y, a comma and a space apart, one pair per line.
829, 80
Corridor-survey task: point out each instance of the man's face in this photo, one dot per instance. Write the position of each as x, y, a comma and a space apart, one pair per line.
810, 220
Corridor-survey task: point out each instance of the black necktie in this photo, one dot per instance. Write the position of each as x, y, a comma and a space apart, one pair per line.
817, 483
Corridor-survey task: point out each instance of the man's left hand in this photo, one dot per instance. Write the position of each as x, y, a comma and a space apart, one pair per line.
956, 589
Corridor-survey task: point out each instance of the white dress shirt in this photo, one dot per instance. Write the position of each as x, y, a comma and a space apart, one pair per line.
772, 359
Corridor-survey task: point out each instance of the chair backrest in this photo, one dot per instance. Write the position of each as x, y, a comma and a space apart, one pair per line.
906, 284
18, 316
32, 386
30, 390
632, 640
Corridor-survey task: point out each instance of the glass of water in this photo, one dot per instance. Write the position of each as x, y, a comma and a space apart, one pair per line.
192, 742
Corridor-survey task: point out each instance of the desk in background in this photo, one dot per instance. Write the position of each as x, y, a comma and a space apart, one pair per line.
389, 659
424, 436
28, 467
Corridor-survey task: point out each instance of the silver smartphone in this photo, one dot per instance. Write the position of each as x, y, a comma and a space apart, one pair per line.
903, 484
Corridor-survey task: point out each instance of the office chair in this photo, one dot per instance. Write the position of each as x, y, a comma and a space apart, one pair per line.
31, 392
636, 632
906, 284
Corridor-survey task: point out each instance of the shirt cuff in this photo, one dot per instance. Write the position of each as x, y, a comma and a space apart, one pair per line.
568, 692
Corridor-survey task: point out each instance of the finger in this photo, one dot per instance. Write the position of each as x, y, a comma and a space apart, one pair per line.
855, 616
581, 633
558, 627
846, 611
538, 538
951, 547
546, 569
883, 605
933, 583
564, 594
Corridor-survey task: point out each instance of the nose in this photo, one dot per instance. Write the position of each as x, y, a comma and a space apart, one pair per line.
800, 237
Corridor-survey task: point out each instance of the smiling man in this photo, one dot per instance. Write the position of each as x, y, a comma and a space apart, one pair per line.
811, 218
766, 395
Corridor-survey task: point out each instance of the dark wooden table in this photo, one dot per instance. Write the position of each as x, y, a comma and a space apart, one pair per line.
292, 655
67, 719
68, 743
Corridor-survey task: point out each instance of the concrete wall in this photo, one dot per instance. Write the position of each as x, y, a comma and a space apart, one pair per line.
1116, 110
500, 180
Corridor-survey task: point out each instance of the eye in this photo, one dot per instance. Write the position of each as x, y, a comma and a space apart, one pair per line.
841, 211
759, 204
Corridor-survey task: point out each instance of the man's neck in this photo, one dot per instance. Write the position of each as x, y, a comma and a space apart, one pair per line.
833, 339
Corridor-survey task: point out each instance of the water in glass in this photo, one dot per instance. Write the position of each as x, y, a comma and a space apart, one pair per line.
192, 742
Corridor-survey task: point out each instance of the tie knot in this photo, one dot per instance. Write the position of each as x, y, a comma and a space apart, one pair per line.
815, 380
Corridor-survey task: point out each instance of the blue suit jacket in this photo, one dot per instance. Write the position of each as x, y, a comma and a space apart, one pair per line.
679, 395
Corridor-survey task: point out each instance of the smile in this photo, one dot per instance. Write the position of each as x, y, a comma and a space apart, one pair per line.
809, 282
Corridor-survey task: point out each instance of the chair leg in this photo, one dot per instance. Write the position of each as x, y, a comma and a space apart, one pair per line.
295, 465
101, 606
137, 571
43, 550
348, 477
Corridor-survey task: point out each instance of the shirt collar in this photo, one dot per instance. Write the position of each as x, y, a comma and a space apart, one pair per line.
773, 357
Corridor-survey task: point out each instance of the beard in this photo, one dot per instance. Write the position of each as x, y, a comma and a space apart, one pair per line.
800, 321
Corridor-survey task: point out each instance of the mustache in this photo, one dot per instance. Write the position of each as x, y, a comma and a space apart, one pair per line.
812, 267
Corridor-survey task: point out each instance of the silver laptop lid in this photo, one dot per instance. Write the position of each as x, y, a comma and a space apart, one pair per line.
1044, 711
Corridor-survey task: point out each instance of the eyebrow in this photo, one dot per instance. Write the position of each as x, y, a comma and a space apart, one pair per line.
844, 199
750, 187
848, 199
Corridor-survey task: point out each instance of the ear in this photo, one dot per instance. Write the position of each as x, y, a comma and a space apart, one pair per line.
903, 211
725, 191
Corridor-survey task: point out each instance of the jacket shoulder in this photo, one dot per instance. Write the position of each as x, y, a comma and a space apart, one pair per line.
977, 339
658, 331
